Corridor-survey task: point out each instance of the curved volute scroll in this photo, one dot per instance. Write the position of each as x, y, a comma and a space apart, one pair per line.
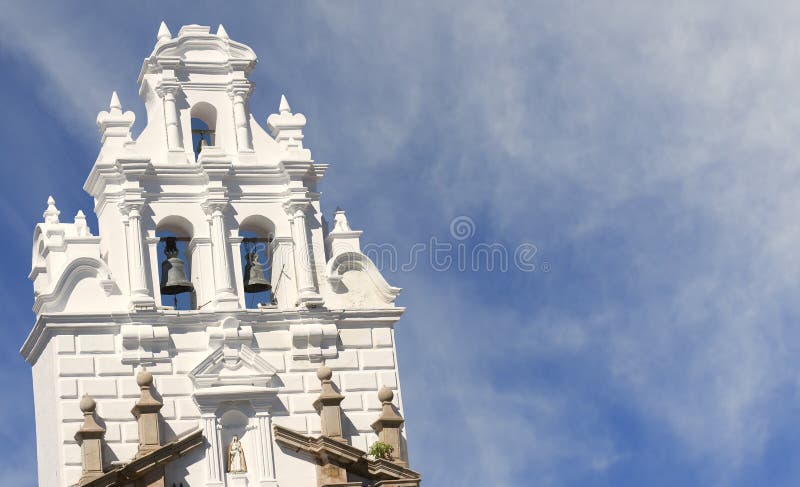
354, 279
358, 283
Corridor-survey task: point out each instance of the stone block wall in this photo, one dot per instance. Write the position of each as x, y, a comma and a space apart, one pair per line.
93, 364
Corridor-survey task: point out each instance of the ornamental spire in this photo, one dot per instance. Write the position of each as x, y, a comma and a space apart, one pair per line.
222, 33
51, 213
163, 32
114, 105
80, 224
114, 124
284, 105
287, 127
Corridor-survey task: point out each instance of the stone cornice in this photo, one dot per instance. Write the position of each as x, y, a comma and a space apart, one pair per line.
49, 324
105, 178
170, 54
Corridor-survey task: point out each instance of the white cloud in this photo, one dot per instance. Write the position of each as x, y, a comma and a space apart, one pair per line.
656, 143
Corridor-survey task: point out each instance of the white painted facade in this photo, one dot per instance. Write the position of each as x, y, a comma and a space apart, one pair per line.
225, 368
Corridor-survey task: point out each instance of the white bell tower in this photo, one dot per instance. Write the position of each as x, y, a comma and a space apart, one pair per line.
213, 333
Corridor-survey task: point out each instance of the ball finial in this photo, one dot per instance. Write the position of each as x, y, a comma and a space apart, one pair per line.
385, 394
324, 373
87, 404
144, 378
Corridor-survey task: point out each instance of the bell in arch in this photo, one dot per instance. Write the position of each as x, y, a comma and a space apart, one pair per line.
255, 280
173, 271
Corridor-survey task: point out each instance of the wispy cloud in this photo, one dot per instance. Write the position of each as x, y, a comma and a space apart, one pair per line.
648, 150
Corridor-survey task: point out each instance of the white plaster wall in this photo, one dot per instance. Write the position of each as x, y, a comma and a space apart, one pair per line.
46, 404
92, 364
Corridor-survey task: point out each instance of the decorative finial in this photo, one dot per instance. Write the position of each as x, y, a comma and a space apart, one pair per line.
340, 223
385, 395
87, 404
51, 213
324, 373
114, 105
163, 32
144, 378
80, 224
284, 106
222, 33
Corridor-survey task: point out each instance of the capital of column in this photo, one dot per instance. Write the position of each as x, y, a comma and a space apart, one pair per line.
297, 208
240, 92
214, 208
131, 208
169, 88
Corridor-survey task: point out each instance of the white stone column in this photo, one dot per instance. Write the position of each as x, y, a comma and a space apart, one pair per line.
214, 465
171, 120
139, 288
266, 465
151, 251
306, 289
240, 120
282, 262
224, 294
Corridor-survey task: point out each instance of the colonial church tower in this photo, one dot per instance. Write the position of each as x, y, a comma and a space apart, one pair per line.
214, 332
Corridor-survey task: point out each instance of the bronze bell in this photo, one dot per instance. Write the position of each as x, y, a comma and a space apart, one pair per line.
255, 281
173, 271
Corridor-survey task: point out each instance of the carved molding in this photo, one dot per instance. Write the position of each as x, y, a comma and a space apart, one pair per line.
314, 341
144, 343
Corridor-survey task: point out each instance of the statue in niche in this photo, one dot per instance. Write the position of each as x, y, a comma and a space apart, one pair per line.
236, 461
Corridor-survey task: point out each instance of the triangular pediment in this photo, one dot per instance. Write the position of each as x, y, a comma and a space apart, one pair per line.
227, 367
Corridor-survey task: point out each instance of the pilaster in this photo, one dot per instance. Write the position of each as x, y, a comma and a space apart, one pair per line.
168, 90
239, 93
141, 298
224, 292
307, 292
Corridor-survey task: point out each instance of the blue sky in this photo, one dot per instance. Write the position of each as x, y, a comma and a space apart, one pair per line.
649, 152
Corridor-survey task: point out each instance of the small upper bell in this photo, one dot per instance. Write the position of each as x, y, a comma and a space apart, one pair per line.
173, 271
255, 280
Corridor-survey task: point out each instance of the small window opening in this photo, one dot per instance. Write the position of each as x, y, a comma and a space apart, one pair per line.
202, 135
177, 289
256, 270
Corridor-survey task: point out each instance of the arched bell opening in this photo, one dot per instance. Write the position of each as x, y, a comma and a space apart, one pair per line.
204, 126
174, 271
256, 260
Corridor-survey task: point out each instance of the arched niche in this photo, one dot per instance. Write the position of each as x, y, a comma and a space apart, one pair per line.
257, 233
204, 125
176, 225
85, 284
177, 230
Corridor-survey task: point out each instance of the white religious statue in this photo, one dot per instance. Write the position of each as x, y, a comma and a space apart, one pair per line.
236, 461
